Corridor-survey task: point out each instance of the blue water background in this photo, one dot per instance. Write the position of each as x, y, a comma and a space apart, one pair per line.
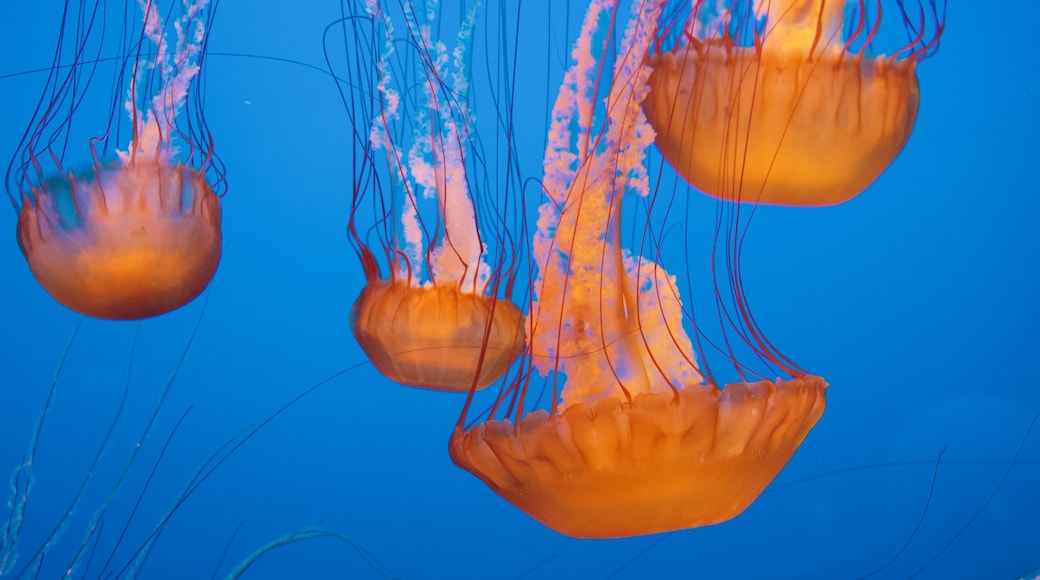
918, 301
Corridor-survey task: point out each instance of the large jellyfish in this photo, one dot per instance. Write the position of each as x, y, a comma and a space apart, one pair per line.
437, 322
636, 437
779, 102
137, 234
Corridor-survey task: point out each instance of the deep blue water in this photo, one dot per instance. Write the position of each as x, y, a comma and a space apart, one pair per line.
916, 301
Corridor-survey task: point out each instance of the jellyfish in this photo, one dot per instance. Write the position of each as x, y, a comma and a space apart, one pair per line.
636, 436
137, 233
441, 319
782, 101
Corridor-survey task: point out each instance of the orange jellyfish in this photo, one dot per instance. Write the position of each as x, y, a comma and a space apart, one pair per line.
628, 434
440, 320
779, 102
139, 235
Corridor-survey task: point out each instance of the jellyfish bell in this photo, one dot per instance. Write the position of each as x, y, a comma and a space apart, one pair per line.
636, 437
141, 235
616, 468
435, 336
777, 102
442, 319
129, 242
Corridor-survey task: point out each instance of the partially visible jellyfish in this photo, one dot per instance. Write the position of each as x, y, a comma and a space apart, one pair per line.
441, 319
136, 234
633, 436
782, 101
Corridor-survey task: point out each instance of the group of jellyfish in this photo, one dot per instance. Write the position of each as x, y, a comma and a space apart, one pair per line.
602, 420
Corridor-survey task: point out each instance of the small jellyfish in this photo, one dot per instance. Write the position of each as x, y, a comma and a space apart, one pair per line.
437, 321
779, 102
138, 235
629, 435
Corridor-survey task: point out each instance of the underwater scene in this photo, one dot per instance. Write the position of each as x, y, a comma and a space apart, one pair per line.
519, 289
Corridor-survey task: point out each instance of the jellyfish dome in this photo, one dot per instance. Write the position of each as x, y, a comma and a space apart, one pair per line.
131, 241
437, 337
637, 437
778, 102
441, 320
141, 235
